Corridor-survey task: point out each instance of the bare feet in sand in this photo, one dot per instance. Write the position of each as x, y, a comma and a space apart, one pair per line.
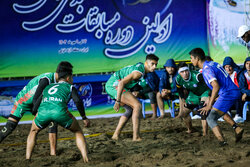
137, 139
161, 117
153, 117
115, 137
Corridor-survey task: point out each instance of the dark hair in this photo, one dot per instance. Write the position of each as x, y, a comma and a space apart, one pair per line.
182, 64
198, 52
208, 58
152, 57
64, 69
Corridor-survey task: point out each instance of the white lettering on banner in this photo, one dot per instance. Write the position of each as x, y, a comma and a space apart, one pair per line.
96, 22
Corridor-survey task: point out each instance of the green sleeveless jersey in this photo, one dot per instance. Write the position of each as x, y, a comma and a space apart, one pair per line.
192, 84
25, 96
122, 73
56, 97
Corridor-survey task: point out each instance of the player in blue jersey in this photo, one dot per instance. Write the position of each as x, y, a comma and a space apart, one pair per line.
218, 80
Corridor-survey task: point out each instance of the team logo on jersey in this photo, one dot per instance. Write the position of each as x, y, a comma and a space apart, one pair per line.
195, 85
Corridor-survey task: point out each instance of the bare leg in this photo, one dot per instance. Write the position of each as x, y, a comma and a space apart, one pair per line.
218, 134
80, 139
136, 123
188, 122
31, 140
184, 114
129, 99
53, 142
182, 109
160, 103
154, 109
122, 122
239, 131
204, 127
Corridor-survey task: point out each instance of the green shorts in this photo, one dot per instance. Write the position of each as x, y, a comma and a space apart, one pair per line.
194, 99
20, 108
111, 87
44, 117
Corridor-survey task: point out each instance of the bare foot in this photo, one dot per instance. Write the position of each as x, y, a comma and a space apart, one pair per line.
137, 139
189, 131
115, 137
161, 117
204, 134
153, 117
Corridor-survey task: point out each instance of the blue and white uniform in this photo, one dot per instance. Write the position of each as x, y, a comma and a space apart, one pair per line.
228, 93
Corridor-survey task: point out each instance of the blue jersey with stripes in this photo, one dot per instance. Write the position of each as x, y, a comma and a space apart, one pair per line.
214, 71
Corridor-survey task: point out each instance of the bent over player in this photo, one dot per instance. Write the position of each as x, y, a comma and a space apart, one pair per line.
118, 87
26, 98
218, 80
53, 108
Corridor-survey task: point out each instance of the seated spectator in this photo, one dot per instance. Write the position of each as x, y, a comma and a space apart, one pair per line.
147, 89
167, 87
233, 70
244, 36
244, 81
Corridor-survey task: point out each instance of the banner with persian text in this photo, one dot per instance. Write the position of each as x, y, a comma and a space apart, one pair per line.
96, 36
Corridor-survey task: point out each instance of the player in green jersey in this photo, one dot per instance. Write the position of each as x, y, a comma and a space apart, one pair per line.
118, 88
53, 108
28, 96
193, 82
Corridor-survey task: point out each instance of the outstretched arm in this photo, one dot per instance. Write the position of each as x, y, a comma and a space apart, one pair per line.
80, 107
215, 91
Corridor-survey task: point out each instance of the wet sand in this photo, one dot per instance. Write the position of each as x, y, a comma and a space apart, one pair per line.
165, 143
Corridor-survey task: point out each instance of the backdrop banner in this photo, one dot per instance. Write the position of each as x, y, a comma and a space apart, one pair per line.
224, 20
96, 36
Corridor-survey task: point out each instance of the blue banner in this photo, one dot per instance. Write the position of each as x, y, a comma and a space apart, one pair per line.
96, 36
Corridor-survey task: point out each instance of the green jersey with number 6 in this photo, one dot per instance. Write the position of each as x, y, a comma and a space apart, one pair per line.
53, 106
56, 97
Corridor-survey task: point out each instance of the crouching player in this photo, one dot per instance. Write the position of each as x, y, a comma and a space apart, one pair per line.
53, 107
218, 80
193, 82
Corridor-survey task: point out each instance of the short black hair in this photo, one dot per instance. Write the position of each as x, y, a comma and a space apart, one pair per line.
64, 69
182, 64
198, 52
209, 58
152, 57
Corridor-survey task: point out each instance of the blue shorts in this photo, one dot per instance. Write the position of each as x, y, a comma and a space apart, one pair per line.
226, 100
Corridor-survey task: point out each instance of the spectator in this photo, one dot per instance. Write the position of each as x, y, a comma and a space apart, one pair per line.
244, 36
167, 86
233, 70
244, 81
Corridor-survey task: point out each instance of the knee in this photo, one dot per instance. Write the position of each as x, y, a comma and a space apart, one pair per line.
53, 127
212, 119
9, 127
137, 107
128, 112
